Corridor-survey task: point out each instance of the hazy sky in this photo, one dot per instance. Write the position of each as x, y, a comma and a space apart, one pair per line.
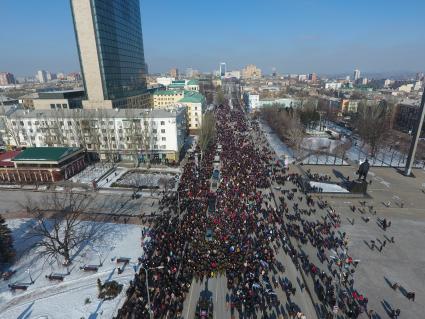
295, 36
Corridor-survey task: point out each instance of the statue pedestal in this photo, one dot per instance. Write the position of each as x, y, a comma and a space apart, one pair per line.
358, 187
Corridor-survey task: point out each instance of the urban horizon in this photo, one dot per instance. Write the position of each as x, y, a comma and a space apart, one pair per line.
306, 48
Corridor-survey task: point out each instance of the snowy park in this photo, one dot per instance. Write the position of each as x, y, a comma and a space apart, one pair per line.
318, 149
57, 291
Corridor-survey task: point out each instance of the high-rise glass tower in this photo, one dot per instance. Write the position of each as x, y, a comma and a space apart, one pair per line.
110, 47
222, 69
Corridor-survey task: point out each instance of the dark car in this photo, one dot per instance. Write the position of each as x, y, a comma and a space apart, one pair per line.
209, 234
211, 204
216, 174
204, 308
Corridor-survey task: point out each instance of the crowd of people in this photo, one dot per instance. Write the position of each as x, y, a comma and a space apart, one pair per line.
252, 223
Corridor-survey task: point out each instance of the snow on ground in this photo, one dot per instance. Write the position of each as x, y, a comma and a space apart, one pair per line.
52, 299
281, 149
107, 181
146, 179
320, 143
329, 188
385, 157
91, 172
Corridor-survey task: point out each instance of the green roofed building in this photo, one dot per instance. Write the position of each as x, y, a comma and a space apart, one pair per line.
37, 165
194, 102
52, 155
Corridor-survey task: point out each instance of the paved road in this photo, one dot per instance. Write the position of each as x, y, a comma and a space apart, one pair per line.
119, 204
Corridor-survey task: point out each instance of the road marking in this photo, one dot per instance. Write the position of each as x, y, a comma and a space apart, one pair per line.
190, 299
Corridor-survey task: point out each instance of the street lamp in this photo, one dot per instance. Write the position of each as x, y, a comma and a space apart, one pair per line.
147, 287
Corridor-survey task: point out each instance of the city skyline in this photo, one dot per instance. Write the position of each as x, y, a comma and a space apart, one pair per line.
301, 37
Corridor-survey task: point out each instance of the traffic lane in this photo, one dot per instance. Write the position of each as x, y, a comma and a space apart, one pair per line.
214, 288
301, 297
123, 204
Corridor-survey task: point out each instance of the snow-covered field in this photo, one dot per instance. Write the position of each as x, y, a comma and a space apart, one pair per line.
329, 188
146, 179
356, 154
51, 299
281, 149
320, 143
90, 173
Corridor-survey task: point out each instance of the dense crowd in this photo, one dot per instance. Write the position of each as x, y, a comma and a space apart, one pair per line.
253, 220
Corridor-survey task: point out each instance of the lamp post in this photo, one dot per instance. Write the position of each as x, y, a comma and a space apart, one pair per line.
416, 135
147, 287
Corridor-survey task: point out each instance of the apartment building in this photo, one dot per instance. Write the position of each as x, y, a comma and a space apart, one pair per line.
114, 134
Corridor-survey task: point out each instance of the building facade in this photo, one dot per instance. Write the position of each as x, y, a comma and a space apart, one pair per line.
406, 116
165, 98
41, 165
252, 101
251, 71
116, 134
357, 74
42, 76
174, 73
193, 102
7, 78
71, 99
110, 47
222, 69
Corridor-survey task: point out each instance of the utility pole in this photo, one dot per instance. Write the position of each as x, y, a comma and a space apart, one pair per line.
415, 138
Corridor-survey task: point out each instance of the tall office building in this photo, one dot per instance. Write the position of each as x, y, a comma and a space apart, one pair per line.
7, 78
110, 47
42, 76
174, 73
222, 69
356, 74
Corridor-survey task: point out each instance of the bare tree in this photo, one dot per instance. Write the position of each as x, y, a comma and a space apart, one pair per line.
219, 97
11, 132
207, 134
294, 131
373, 124
59, 226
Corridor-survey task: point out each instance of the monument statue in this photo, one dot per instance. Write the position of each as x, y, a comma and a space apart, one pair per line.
363, 170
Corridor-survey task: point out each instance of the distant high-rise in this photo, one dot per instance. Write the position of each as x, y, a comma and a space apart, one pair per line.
110, 47
312, 77
42, 76
7, 78
222, 69
356, 74
251, 71
174, 73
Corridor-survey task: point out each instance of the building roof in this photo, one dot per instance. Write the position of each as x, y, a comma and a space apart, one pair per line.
6, 157
193, 82
93, 113
192, 97
4, 98
66, 94
168, 92
176, 85
47, 154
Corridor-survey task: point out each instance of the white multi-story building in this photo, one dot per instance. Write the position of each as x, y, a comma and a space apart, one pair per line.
333, 86
233, 74
42, 76
165, 81
252, 101
194, 102
356, 74
112, 133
